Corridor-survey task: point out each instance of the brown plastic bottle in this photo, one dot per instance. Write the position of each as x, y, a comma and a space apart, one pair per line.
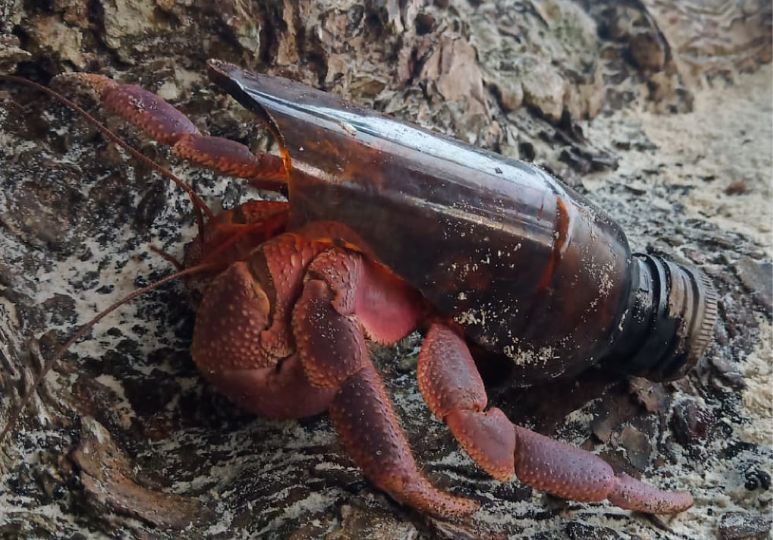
527, 266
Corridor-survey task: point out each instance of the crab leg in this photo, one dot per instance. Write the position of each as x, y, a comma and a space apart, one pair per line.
330, 340
166, 125
454, 392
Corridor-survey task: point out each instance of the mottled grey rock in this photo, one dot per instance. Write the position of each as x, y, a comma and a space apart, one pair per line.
757, 277
743, 526
10, 52
108, 480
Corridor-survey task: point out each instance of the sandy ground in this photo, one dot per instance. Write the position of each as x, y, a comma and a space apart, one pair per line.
719, 154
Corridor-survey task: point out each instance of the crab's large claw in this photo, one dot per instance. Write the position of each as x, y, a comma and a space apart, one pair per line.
234, 313
454, 391
167, 125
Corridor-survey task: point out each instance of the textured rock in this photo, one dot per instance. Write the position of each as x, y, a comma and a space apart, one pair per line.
453, 68
107, 478
757, 278
715, 38
743, 526
360, 523
10, 52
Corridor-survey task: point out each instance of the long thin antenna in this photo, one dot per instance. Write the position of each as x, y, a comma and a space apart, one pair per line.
198, 204
13, 417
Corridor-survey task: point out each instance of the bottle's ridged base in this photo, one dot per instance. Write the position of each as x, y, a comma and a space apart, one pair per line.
705, 335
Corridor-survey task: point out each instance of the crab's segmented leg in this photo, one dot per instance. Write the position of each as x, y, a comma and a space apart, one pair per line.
166, 125
233, 234
573, 473
332, 347
453, 390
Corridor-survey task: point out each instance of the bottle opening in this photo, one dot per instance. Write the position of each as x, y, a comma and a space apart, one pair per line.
669, 322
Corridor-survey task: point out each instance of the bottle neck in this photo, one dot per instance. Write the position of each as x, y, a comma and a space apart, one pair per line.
668, 323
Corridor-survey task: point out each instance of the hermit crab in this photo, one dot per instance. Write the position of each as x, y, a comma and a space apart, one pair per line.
387, 228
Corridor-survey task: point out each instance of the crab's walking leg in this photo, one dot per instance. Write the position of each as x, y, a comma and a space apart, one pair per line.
453, 390
165, 124
328, 328
572, 473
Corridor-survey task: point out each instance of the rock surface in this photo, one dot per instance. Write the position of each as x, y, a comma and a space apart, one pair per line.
124, 439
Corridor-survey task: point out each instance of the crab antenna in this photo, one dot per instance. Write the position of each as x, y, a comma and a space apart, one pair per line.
198, 204
14, 415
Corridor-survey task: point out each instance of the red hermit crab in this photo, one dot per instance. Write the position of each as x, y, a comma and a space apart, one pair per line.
388, 228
